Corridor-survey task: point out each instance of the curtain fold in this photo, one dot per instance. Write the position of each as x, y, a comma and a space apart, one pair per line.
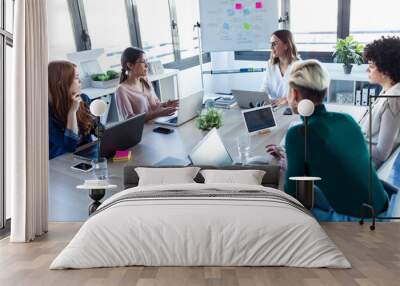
27, 123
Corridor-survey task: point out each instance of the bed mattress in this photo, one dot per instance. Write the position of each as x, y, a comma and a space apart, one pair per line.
201, 225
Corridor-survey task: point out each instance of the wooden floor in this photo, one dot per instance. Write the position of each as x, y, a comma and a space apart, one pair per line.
375, 257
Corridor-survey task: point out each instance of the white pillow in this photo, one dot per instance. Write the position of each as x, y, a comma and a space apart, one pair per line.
248, 177
164, 176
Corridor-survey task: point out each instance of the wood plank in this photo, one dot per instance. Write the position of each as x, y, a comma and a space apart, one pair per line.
375, 257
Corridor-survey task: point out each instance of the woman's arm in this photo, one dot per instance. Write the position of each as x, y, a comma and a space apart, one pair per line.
388, 132
294, 147
72, 121
158, 109
161, 111
60, 141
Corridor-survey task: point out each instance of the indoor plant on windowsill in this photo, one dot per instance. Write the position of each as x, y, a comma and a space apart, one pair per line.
349, 52
209, 119
105, 80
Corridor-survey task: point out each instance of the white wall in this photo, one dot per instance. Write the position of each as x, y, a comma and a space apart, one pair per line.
190, 80
225, 82
253, 80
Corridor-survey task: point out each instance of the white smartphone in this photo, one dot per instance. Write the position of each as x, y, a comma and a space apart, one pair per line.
84, 167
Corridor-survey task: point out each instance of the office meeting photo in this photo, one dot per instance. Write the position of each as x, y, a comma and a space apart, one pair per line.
199, 142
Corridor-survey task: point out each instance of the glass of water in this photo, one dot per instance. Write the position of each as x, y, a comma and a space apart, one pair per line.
243, 145
100, 168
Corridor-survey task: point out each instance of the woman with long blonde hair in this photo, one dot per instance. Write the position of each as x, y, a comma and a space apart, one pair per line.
283, 55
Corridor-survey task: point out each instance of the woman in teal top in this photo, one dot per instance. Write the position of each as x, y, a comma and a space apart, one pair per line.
337, 151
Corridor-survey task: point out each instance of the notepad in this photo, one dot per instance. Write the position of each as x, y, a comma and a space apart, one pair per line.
120, 156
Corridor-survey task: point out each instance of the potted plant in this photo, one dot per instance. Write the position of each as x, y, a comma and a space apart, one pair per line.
349, 52
105, 80
209, 119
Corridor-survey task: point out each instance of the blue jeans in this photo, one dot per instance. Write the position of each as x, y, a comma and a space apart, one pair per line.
323, 211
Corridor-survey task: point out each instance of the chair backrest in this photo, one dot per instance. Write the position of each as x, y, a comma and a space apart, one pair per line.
270, 179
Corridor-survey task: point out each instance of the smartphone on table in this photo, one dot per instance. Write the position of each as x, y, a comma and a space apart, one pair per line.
163, 130
84, 167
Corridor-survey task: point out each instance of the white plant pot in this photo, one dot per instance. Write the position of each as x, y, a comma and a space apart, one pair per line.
104, 84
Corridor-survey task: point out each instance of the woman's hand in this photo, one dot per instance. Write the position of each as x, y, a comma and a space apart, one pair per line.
72, 121
76, 101
171, 103
279, 102
278, 153
166, 111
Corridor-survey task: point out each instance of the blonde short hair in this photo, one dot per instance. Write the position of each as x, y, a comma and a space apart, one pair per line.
309, 74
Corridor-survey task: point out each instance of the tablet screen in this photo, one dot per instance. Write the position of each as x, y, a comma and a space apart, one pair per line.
259, 118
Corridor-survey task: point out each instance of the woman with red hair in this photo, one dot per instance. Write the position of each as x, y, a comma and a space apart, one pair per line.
70, 122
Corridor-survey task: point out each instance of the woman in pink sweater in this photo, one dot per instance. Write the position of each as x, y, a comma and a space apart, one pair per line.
135, 94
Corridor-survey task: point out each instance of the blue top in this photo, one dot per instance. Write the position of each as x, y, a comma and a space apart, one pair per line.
63, 140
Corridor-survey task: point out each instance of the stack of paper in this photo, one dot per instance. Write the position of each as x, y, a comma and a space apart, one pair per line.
121, 156
225, 102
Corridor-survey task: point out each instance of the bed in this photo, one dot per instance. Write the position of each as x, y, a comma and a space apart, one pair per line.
201, 224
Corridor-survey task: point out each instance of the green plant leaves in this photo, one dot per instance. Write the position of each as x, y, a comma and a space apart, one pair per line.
348, 51
109, 75
209, 119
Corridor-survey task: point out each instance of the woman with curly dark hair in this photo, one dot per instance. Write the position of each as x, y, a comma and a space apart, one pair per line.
383, 57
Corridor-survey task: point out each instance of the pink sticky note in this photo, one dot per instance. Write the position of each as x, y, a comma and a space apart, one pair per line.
238, 6
120, 153
258, 5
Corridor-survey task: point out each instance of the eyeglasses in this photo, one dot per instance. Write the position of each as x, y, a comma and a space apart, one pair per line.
274, 44
142, 62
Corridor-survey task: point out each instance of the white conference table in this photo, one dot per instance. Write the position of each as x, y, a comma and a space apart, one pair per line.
66, 203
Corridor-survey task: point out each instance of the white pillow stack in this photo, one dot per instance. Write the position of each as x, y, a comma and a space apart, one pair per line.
166, 176
247, 177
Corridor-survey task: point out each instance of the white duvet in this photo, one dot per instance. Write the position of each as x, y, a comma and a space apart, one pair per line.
200, 231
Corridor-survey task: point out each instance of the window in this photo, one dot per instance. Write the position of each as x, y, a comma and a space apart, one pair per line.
155, 29
369, 20
108, 28
112, 33
8, 83
314, 24
187, 16
9, 15
60, 33
6, 28
2, 110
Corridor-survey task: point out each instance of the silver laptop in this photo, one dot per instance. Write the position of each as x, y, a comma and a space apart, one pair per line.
189, 107
210, 151
250, 99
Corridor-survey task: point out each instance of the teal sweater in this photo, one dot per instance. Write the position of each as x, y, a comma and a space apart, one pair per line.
338, 154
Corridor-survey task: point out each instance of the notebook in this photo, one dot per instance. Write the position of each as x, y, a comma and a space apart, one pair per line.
121, 156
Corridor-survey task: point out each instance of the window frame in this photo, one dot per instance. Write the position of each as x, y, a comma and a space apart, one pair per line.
342, 31
82, 34
6, 39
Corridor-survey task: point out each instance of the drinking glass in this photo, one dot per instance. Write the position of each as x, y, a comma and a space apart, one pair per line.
100, 168
243, 146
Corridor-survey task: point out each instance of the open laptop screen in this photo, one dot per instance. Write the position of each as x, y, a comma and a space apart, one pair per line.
259, 118
210, 151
